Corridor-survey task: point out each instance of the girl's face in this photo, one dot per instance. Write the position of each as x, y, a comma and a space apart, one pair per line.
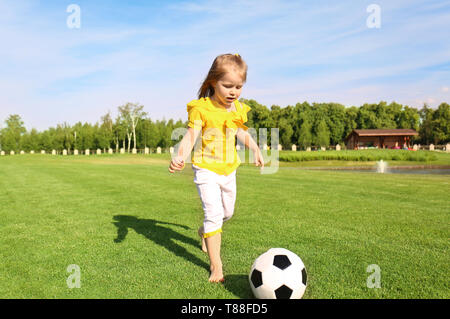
228, 88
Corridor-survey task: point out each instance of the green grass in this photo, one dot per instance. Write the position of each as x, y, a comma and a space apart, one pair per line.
131, 227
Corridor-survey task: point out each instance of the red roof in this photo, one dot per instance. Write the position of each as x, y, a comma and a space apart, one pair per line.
386, 132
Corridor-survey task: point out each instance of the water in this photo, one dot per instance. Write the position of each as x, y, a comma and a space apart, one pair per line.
389, 170
433, 171
381, 166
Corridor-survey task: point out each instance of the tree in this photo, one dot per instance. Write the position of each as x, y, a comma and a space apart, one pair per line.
322, 137
285, 132
56, 138
441, 124
45, 142
124, 112
388, 115
86, 136
106, 134
408, 118
152, 133
68, 136
30, 140
394, 116
119, 131
77, 133
305, 136
132, 113
12, 133
275, 114
303, 124
351, 115
366, 118
426, 124
260, 117
163, 133
335, 120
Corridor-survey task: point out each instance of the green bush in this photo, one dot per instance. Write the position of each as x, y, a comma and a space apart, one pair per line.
358, 155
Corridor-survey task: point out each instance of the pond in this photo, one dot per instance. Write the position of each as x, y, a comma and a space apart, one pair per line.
384, 168
435, 171
388, 170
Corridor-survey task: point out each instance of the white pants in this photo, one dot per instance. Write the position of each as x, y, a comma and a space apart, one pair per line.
218, 195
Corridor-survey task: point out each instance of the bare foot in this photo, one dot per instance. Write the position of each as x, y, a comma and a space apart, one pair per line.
213, 245
216, 274
200, 233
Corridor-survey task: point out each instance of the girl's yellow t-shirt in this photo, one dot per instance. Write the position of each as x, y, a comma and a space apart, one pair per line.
218, 126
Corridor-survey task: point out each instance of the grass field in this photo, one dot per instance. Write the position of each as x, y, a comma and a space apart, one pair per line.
131, 227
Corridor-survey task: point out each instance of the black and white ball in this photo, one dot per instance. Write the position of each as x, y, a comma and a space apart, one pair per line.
278, 274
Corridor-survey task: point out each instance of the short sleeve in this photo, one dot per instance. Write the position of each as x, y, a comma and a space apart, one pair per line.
194, 115
245, 110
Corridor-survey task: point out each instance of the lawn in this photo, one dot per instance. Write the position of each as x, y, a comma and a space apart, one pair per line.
131, 227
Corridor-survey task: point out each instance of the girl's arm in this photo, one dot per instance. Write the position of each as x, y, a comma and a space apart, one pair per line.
245, 138
186, 145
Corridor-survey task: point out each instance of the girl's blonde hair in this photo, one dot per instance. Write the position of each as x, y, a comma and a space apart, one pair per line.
219, 68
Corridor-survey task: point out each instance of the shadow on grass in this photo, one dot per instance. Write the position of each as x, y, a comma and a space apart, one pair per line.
155, 231
239, 286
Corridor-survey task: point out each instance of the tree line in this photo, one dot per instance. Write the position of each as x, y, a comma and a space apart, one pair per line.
325, 124
305, 125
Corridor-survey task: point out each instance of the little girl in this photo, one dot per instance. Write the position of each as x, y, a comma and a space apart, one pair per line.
219, 117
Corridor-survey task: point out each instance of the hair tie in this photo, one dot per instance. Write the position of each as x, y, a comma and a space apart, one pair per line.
236, 54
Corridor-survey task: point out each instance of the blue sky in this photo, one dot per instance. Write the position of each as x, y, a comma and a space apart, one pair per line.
158, 52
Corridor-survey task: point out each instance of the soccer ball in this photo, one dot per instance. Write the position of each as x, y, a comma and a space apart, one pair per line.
278, 274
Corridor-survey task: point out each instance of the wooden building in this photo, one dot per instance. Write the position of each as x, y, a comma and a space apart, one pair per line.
380, 138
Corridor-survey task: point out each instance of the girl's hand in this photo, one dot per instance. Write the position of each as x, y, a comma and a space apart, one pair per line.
259, 160
177, 164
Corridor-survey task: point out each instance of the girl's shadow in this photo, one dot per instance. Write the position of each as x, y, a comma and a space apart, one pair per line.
163, 236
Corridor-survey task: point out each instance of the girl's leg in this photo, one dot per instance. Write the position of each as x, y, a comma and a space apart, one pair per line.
213, 246
201, 231
228, 194
209, 188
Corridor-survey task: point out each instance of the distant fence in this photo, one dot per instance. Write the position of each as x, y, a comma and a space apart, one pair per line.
158, 150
